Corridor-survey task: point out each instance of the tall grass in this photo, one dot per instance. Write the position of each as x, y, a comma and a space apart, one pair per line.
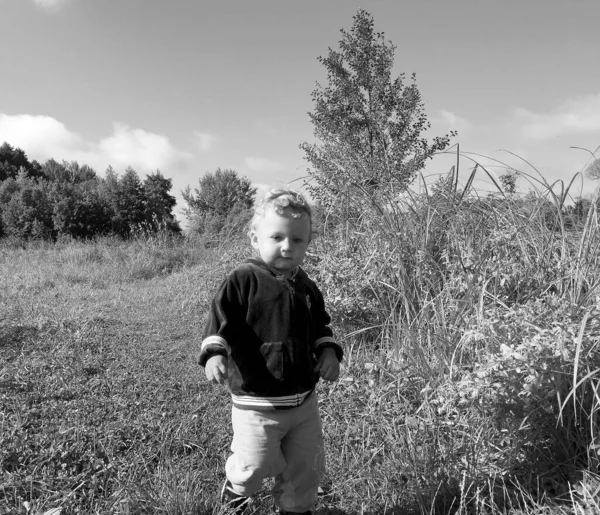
485, 315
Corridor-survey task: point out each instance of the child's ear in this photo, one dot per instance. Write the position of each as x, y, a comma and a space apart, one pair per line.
254, 239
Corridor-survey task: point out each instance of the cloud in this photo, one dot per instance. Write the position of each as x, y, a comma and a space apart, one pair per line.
261, 164
576, 116
141, 149
44, 137
206, 141
39, 136
50, 4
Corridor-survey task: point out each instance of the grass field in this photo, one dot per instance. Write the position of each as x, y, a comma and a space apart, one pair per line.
459, 410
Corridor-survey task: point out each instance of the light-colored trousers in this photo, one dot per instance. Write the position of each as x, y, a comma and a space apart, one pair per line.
284, 444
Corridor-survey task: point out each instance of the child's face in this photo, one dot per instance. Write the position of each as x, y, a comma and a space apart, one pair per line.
281, 240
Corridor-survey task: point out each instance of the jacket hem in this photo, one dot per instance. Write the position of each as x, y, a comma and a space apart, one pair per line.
251, 402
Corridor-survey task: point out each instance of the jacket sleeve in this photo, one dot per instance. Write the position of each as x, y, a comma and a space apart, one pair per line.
324, 334
218, 334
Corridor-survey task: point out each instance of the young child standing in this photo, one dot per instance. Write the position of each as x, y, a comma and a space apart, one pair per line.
268, 338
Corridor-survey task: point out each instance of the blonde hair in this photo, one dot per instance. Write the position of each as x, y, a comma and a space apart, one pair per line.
285, 202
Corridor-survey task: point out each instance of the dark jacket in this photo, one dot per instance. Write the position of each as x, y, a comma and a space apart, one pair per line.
272, 329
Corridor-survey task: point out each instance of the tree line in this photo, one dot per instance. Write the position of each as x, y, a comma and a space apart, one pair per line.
50, 200
68, 199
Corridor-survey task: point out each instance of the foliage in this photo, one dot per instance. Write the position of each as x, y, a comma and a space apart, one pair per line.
14, 159
67, 173
79, 210
213, 228
577, 212
219, 192
28, 212
159, 203
67, 199
490, 305
127, 203
136, 205
221, 202
593, 170
368, 125
509, 182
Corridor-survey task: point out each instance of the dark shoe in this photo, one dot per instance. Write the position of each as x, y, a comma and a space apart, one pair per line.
235, 503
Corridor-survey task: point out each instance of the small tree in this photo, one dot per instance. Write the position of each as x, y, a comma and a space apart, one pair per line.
218, 195
368, 125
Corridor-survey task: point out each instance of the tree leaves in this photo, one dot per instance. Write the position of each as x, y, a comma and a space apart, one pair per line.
71, 199
220, 198
367, 125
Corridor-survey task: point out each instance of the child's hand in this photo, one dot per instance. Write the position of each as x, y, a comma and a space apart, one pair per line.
216, 369
328, 366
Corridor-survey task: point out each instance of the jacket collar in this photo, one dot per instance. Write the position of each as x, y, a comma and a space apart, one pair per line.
298, 273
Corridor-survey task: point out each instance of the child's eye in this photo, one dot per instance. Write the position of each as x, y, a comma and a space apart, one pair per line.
298, 240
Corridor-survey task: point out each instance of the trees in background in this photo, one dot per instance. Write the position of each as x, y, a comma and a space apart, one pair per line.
53, 199
221, 202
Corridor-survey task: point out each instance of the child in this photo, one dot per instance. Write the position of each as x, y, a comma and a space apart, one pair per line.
268, 337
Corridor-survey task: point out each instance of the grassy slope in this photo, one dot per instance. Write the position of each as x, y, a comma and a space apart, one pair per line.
105, 411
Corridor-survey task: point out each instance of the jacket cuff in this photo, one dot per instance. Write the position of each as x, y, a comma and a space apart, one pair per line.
328, 342
212, 346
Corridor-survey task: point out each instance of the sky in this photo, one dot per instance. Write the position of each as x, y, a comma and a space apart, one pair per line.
187, 86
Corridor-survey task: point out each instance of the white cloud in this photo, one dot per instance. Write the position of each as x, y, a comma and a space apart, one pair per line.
261, 164
44, 137
206, 141
575, 116
140, 149
39, 136
50, 4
